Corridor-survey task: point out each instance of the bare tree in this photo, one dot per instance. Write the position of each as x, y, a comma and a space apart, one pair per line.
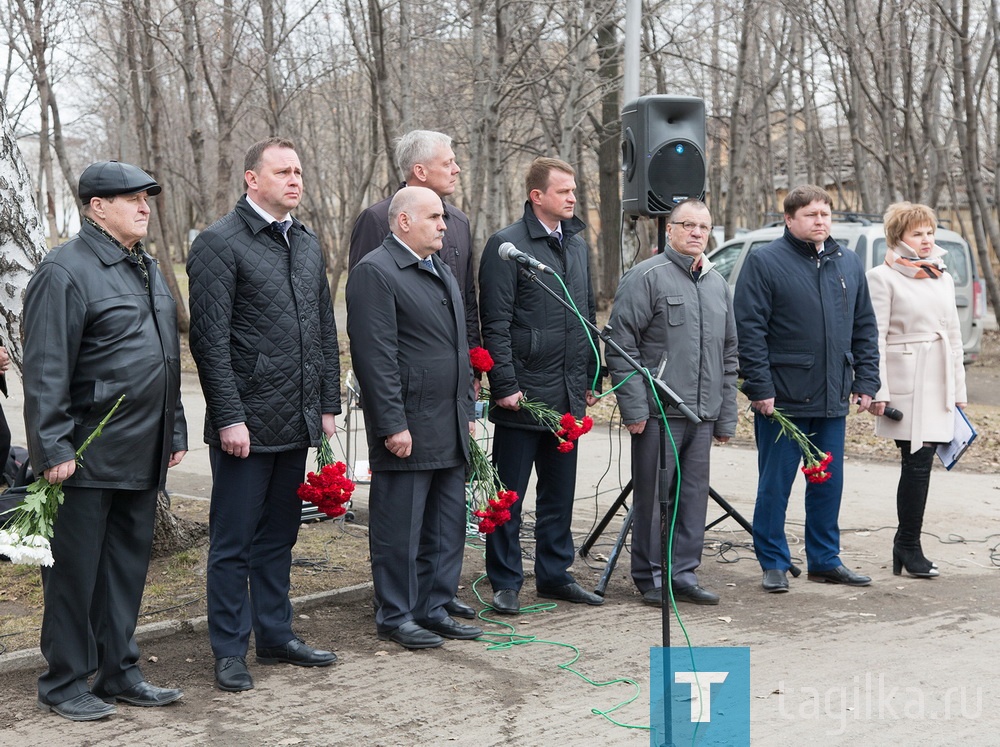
22, 238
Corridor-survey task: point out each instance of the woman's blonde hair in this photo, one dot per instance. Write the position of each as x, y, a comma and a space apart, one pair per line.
902, 216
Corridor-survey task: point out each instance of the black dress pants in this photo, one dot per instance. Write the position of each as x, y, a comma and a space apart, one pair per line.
101, 544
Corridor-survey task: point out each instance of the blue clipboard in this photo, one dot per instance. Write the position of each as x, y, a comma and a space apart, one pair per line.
965, 434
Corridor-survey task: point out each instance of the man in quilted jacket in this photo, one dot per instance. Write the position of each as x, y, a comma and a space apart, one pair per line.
265, 341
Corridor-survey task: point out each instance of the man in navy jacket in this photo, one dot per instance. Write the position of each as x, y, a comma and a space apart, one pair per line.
808, 345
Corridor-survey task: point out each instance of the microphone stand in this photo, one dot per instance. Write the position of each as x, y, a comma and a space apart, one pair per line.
668, 397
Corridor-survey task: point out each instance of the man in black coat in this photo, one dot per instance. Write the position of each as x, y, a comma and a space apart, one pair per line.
426, 159
409, 350
265, 341
4, 428
100, 322
542, 351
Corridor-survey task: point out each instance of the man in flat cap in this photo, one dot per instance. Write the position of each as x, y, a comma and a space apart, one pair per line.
99, 323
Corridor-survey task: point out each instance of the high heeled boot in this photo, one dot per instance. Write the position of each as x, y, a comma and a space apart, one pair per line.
911, 500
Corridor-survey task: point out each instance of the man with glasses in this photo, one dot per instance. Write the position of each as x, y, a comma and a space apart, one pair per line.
674, 304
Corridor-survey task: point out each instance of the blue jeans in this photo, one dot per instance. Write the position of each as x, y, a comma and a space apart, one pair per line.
778, 462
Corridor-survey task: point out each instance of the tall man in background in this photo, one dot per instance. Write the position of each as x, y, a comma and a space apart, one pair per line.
809, 346
100, 322
675, 304
426, 159
409, 349
540, 350
264, 338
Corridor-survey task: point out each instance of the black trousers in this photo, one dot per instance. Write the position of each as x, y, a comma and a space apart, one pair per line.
253, 525
4, 440
515, 452
101, 544
417, 539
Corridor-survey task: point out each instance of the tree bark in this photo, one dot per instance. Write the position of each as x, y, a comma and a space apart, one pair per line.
22, 238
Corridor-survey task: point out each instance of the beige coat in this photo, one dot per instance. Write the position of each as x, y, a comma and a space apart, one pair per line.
920, 354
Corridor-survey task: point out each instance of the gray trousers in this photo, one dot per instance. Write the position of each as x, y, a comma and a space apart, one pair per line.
694, 444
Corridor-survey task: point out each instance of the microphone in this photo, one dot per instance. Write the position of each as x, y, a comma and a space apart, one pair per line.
893, 414
509, 251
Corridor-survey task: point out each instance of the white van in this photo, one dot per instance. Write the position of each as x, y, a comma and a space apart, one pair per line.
867, 239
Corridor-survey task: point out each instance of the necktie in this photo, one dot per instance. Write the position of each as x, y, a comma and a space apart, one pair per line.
557, 236
427, 264
282, 226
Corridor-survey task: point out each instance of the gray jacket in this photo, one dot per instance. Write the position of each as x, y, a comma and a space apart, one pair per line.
660, 308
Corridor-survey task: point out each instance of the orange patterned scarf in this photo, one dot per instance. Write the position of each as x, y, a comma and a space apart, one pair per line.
931, 268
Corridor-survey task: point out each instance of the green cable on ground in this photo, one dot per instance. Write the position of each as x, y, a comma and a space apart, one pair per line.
513, 639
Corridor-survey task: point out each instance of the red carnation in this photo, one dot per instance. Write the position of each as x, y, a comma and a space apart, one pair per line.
565, 447
481, 360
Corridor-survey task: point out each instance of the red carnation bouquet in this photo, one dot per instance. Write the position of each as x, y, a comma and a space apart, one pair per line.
329, 489
816, 461
490, 500
566, 428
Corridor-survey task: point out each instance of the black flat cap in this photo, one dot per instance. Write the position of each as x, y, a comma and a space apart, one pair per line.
110, 178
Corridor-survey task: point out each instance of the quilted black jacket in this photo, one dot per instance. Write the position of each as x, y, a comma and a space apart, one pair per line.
262, 331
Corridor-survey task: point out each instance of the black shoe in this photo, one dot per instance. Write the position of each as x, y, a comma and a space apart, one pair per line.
142, 694
571, 593
231, 674
914, 562
84, 707
839, 575
653, 597
506, 602
296, 652
775, 581
457, 608
411, 635
448, 628
695, 595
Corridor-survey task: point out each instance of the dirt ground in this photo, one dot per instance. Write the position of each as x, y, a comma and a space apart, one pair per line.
902, 662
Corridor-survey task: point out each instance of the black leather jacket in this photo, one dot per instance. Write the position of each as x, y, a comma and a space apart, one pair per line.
92, 332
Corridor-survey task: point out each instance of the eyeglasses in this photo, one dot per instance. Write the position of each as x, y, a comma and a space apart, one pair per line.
690, 226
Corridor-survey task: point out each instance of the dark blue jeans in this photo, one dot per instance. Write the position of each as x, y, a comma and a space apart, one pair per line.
778, 462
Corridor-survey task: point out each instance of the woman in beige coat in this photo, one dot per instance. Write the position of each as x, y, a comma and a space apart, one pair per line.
920, 365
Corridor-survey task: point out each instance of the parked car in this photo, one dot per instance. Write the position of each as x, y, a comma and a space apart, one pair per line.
867, 239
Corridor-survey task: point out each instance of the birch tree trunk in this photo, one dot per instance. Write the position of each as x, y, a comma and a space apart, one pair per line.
22, 238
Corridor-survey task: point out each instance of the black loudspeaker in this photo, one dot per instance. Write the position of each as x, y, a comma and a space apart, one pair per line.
663, 153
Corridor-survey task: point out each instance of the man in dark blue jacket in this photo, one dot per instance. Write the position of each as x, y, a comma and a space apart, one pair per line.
265, 341
542, 351
808, 345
